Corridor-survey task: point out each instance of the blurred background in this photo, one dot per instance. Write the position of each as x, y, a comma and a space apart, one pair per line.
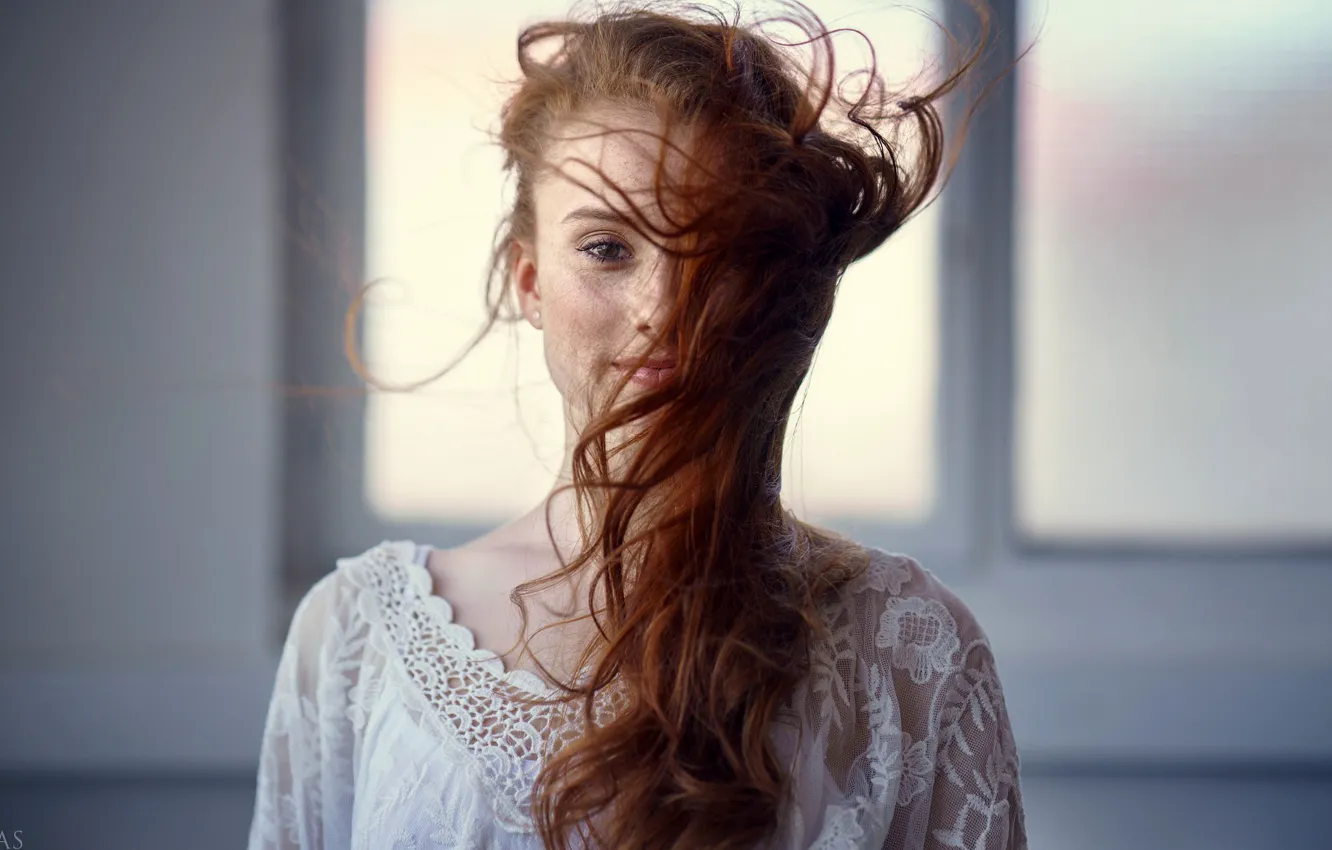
1091, 388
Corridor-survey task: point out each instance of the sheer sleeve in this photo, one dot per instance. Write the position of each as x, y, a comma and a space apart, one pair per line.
906, 703
976, 802
306, 771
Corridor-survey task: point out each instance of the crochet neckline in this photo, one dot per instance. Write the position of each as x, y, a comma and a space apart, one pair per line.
440, 609
884, 567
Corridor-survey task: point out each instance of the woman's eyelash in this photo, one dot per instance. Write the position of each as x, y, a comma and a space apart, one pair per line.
590, 250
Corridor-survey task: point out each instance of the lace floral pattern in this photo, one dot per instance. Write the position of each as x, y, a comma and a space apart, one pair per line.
388, 728
921, 635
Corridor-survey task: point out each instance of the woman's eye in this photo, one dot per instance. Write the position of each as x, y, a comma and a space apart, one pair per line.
603, 251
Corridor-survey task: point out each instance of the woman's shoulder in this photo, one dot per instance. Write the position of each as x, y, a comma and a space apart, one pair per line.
372, 580
898, 614
386, 568
890, 579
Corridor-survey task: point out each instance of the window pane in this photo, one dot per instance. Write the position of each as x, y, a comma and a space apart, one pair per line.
1174, 308
464, 448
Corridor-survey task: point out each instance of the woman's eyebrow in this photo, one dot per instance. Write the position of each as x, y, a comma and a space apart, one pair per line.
595, 214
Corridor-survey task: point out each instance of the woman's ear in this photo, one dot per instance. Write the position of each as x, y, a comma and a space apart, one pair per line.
523, 267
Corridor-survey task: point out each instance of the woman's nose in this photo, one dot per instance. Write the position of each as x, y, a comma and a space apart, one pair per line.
656, 295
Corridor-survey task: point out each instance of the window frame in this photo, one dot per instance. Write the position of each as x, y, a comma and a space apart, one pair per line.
1192, 679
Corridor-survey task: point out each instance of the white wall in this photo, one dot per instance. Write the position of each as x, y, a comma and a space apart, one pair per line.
139, 254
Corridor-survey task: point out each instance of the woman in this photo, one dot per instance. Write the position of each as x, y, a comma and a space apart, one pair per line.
720, 674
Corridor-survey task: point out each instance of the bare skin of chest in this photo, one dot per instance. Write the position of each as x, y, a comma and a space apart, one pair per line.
478, 578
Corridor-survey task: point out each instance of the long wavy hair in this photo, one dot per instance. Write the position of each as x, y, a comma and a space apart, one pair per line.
710, 588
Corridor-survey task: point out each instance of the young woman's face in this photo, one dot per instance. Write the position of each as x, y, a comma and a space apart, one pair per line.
600, 289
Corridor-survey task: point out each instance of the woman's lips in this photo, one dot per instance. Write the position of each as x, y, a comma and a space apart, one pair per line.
650, 376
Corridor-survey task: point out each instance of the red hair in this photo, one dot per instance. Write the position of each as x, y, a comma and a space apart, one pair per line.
710, 585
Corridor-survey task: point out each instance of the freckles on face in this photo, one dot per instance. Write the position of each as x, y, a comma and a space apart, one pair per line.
599, 280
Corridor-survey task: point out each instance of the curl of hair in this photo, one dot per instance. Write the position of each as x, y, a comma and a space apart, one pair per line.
711, 588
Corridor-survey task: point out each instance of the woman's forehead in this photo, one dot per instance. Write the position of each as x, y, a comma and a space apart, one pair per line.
624, 144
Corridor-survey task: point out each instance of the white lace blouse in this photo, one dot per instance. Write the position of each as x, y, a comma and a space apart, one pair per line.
388, 729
